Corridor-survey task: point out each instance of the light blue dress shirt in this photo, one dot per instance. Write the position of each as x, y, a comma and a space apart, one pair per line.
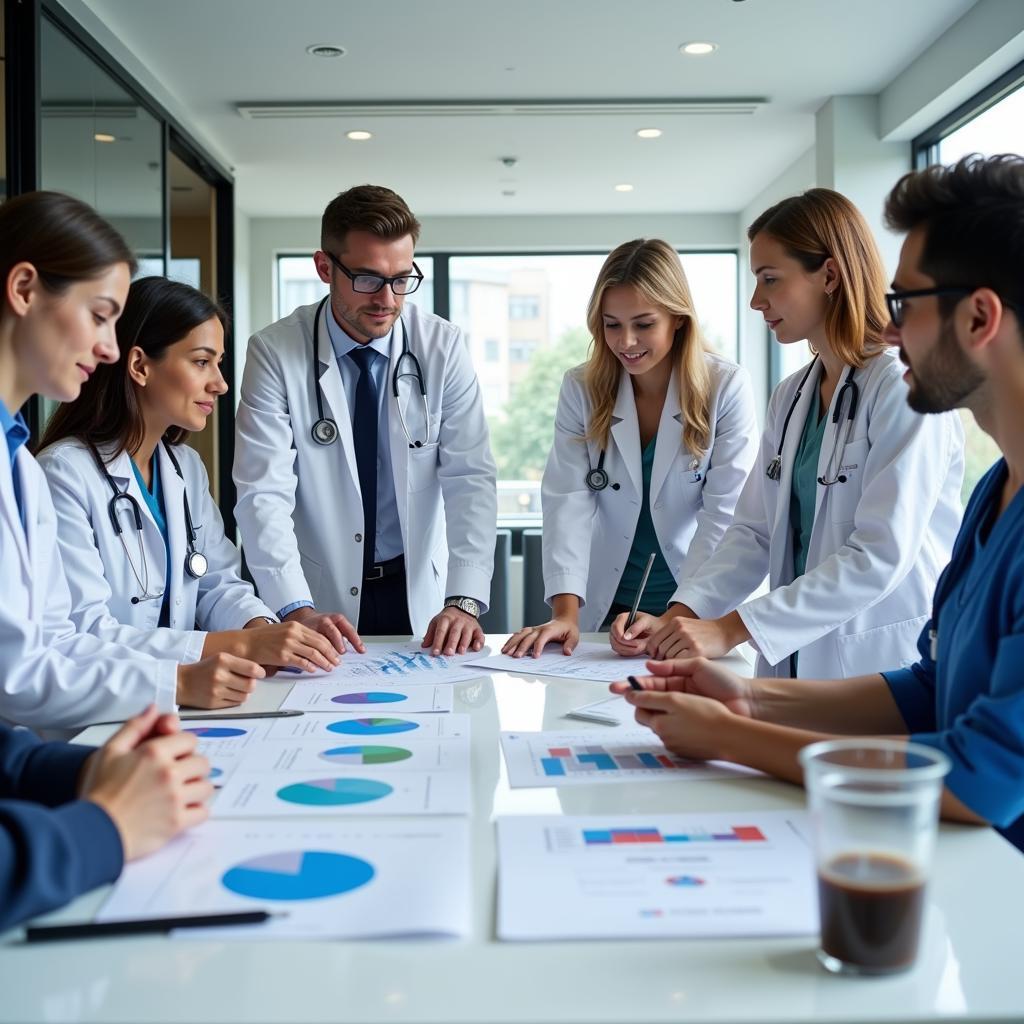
389, 528
16, 430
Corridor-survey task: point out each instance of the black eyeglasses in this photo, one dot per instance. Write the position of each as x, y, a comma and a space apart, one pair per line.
404, 284
895, 300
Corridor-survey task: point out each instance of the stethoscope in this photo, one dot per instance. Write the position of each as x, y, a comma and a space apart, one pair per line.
196, 564
325, 430
597, 478
835, 459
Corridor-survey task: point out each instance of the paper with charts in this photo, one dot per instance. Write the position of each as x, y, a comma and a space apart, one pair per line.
370, 695
655, 876
314, 742
334, 880
404, 660
589, 661
577, 757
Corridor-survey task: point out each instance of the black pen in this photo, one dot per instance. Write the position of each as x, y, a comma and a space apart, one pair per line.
633, 682
142, 926
242, 714
640, 591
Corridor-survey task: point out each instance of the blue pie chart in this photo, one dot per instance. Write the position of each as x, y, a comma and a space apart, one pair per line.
373, 697
215, 732
334, 792
297, 875
372, 726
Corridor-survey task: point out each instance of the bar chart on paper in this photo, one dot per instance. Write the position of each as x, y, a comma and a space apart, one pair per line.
566, 758
656, 876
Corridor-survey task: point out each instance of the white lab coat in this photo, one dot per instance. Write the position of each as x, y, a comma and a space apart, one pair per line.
299, 508
52, 677
588, 534
878, 543
100, 575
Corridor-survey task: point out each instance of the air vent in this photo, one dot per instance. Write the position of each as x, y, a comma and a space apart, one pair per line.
511, 108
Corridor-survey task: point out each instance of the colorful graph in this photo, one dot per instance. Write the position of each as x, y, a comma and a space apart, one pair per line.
686, 881
372, 726
400, 663
594, 757
616, 836
366, 755
297, 875
372, 697
215, 732
334, 792
215, 773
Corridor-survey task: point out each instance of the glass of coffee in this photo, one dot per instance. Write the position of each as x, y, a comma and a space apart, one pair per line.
875, 805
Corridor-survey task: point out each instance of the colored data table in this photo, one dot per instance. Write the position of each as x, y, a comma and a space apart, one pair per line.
968, 971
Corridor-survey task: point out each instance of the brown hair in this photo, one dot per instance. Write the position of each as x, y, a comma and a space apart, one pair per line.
63, 238
822, 224
157, 314
372, 208
653, 268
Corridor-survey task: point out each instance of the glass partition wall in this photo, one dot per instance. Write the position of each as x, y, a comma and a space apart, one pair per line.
86, 128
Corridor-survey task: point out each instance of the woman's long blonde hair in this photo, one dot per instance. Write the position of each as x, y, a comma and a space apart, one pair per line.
820, 224
652, 267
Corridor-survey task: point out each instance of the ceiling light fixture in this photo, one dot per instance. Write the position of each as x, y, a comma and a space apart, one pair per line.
325, 50
104, 137
697, 49
648, 133
624, 187
358, 136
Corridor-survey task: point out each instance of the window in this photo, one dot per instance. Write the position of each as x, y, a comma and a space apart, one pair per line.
492, 350
299, 285
991, 123
523, 307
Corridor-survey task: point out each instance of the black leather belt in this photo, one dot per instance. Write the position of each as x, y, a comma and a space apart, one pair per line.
392, 567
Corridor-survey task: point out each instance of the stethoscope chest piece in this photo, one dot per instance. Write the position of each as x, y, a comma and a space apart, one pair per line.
325, 431
196, 565
597, 479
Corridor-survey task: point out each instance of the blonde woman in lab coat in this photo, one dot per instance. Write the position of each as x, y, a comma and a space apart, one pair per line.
654, 436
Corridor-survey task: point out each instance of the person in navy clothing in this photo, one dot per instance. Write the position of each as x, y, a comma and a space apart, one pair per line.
70, 816
957, 316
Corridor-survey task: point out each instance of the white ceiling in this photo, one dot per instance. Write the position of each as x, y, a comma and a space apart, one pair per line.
214, 54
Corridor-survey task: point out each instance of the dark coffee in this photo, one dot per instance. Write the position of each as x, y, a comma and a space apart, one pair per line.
871, 908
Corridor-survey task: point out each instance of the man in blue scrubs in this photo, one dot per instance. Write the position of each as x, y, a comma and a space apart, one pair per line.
70, 816
957, 309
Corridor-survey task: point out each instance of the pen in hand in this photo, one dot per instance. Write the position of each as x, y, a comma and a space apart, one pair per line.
640, 591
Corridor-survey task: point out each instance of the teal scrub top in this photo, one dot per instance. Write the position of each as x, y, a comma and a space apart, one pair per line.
155, 503
805, 483
661, 584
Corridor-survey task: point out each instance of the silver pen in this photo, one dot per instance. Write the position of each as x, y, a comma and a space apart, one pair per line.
640, 590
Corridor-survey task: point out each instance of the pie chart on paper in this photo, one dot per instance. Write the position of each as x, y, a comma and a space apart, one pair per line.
215, 732
372, 697
372, 726
297, 875
364, 754
334, 792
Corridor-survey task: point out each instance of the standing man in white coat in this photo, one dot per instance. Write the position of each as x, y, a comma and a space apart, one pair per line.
366, 487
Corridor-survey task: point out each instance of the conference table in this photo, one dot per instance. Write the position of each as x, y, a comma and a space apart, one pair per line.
969, 958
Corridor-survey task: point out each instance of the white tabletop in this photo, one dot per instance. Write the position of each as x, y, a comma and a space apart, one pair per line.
966, 972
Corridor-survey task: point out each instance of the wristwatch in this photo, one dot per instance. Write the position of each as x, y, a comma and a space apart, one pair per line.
267, 619
465, 604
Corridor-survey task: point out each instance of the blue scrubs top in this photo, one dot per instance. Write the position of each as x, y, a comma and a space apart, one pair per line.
969, 700
16, 431
154, 499
661, 584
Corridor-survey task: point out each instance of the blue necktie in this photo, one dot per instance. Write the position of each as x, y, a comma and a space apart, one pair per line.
364, 435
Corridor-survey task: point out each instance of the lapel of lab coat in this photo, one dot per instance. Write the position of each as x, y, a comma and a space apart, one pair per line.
828, 445
335, 400
400, 451
781, 547
174, 510
625, 430
122, 474
668, 444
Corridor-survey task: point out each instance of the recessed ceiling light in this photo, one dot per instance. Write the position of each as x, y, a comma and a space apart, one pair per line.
508, 191
698, 49
325, 50
104, 137
649, 133
624, 187
358, 136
